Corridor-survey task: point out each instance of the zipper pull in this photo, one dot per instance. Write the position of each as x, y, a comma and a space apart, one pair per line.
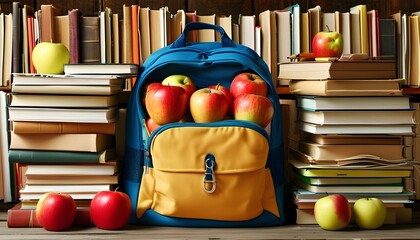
147, 165
145, 137
209, 181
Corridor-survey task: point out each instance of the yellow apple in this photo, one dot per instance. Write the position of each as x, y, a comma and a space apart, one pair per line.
369, 213
49, 58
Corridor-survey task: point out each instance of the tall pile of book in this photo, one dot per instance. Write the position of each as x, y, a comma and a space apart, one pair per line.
64, 133
355, 134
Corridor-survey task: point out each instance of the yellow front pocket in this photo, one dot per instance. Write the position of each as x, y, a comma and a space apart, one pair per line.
230, 186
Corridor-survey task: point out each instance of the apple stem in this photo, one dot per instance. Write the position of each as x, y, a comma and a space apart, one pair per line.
217, 86
328, 28
116, 189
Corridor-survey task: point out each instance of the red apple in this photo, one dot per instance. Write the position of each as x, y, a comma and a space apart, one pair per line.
208, 105
332, 212
56, 211
180, 81
327, 44
254, 108
227, 94
110, 210
144, 90
166, 104
248, 83
151, 125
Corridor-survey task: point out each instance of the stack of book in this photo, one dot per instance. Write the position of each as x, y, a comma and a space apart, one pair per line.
64, 130
355, 133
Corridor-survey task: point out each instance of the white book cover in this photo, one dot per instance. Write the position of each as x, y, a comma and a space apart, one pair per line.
4, 146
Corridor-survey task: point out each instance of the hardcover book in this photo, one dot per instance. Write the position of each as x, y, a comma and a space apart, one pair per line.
350, 117
349, 181
310, 170
358, 161
351, 139
354, 103
386, 188
40, 156
126, 70
352, 69
42, 170
84, 115
88, 142
69, 90
362, 87
71, 180
338, 152
90, 51
63, 127
74, 32
26, 218
356, 129
71, 101
67, 80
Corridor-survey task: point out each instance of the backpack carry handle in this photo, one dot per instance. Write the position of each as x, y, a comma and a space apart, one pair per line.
181, 41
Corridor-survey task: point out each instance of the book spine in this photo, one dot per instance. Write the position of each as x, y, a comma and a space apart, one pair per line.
26, 218
90, 49
62, 127
74, 35
16, 36
62, 142
38, 156
388, 39
48, 11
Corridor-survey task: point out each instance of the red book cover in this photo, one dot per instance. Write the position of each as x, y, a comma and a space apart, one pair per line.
74, 35
31, 42
135, 37
191, 17
26, 218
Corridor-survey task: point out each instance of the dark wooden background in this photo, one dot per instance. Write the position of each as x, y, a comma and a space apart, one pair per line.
223, 7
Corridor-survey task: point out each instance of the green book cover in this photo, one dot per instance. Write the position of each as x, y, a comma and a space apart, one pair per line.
38, 156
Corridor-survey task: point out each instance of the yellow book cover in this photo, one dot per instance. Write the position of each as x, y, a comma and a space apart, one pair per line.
364, 39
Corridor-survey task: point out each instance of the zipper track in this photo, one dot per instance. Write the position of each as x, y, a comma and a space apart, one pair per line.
226, 123
148, 70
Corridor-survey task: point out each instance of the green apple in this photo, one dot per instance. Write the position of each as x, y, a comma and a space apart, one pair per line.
181, 81
332, 212
369, 213
49, 58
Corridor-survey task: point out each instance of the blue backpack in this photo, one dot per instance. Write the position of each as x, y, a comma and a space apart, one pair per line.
167, 173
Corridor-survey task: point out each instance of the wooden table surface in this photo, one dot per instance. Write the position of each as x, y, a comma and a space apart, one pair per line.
406, 231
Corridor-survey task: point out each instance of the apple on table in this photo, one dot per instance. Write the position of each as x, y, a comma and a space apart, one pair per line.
332, 212
49, 58
56, 211
110, 210
327, 44
369, 213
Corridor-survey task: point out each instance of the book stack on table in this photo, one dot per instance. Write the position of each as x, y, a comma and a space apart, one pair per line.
64, 130
355, 134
